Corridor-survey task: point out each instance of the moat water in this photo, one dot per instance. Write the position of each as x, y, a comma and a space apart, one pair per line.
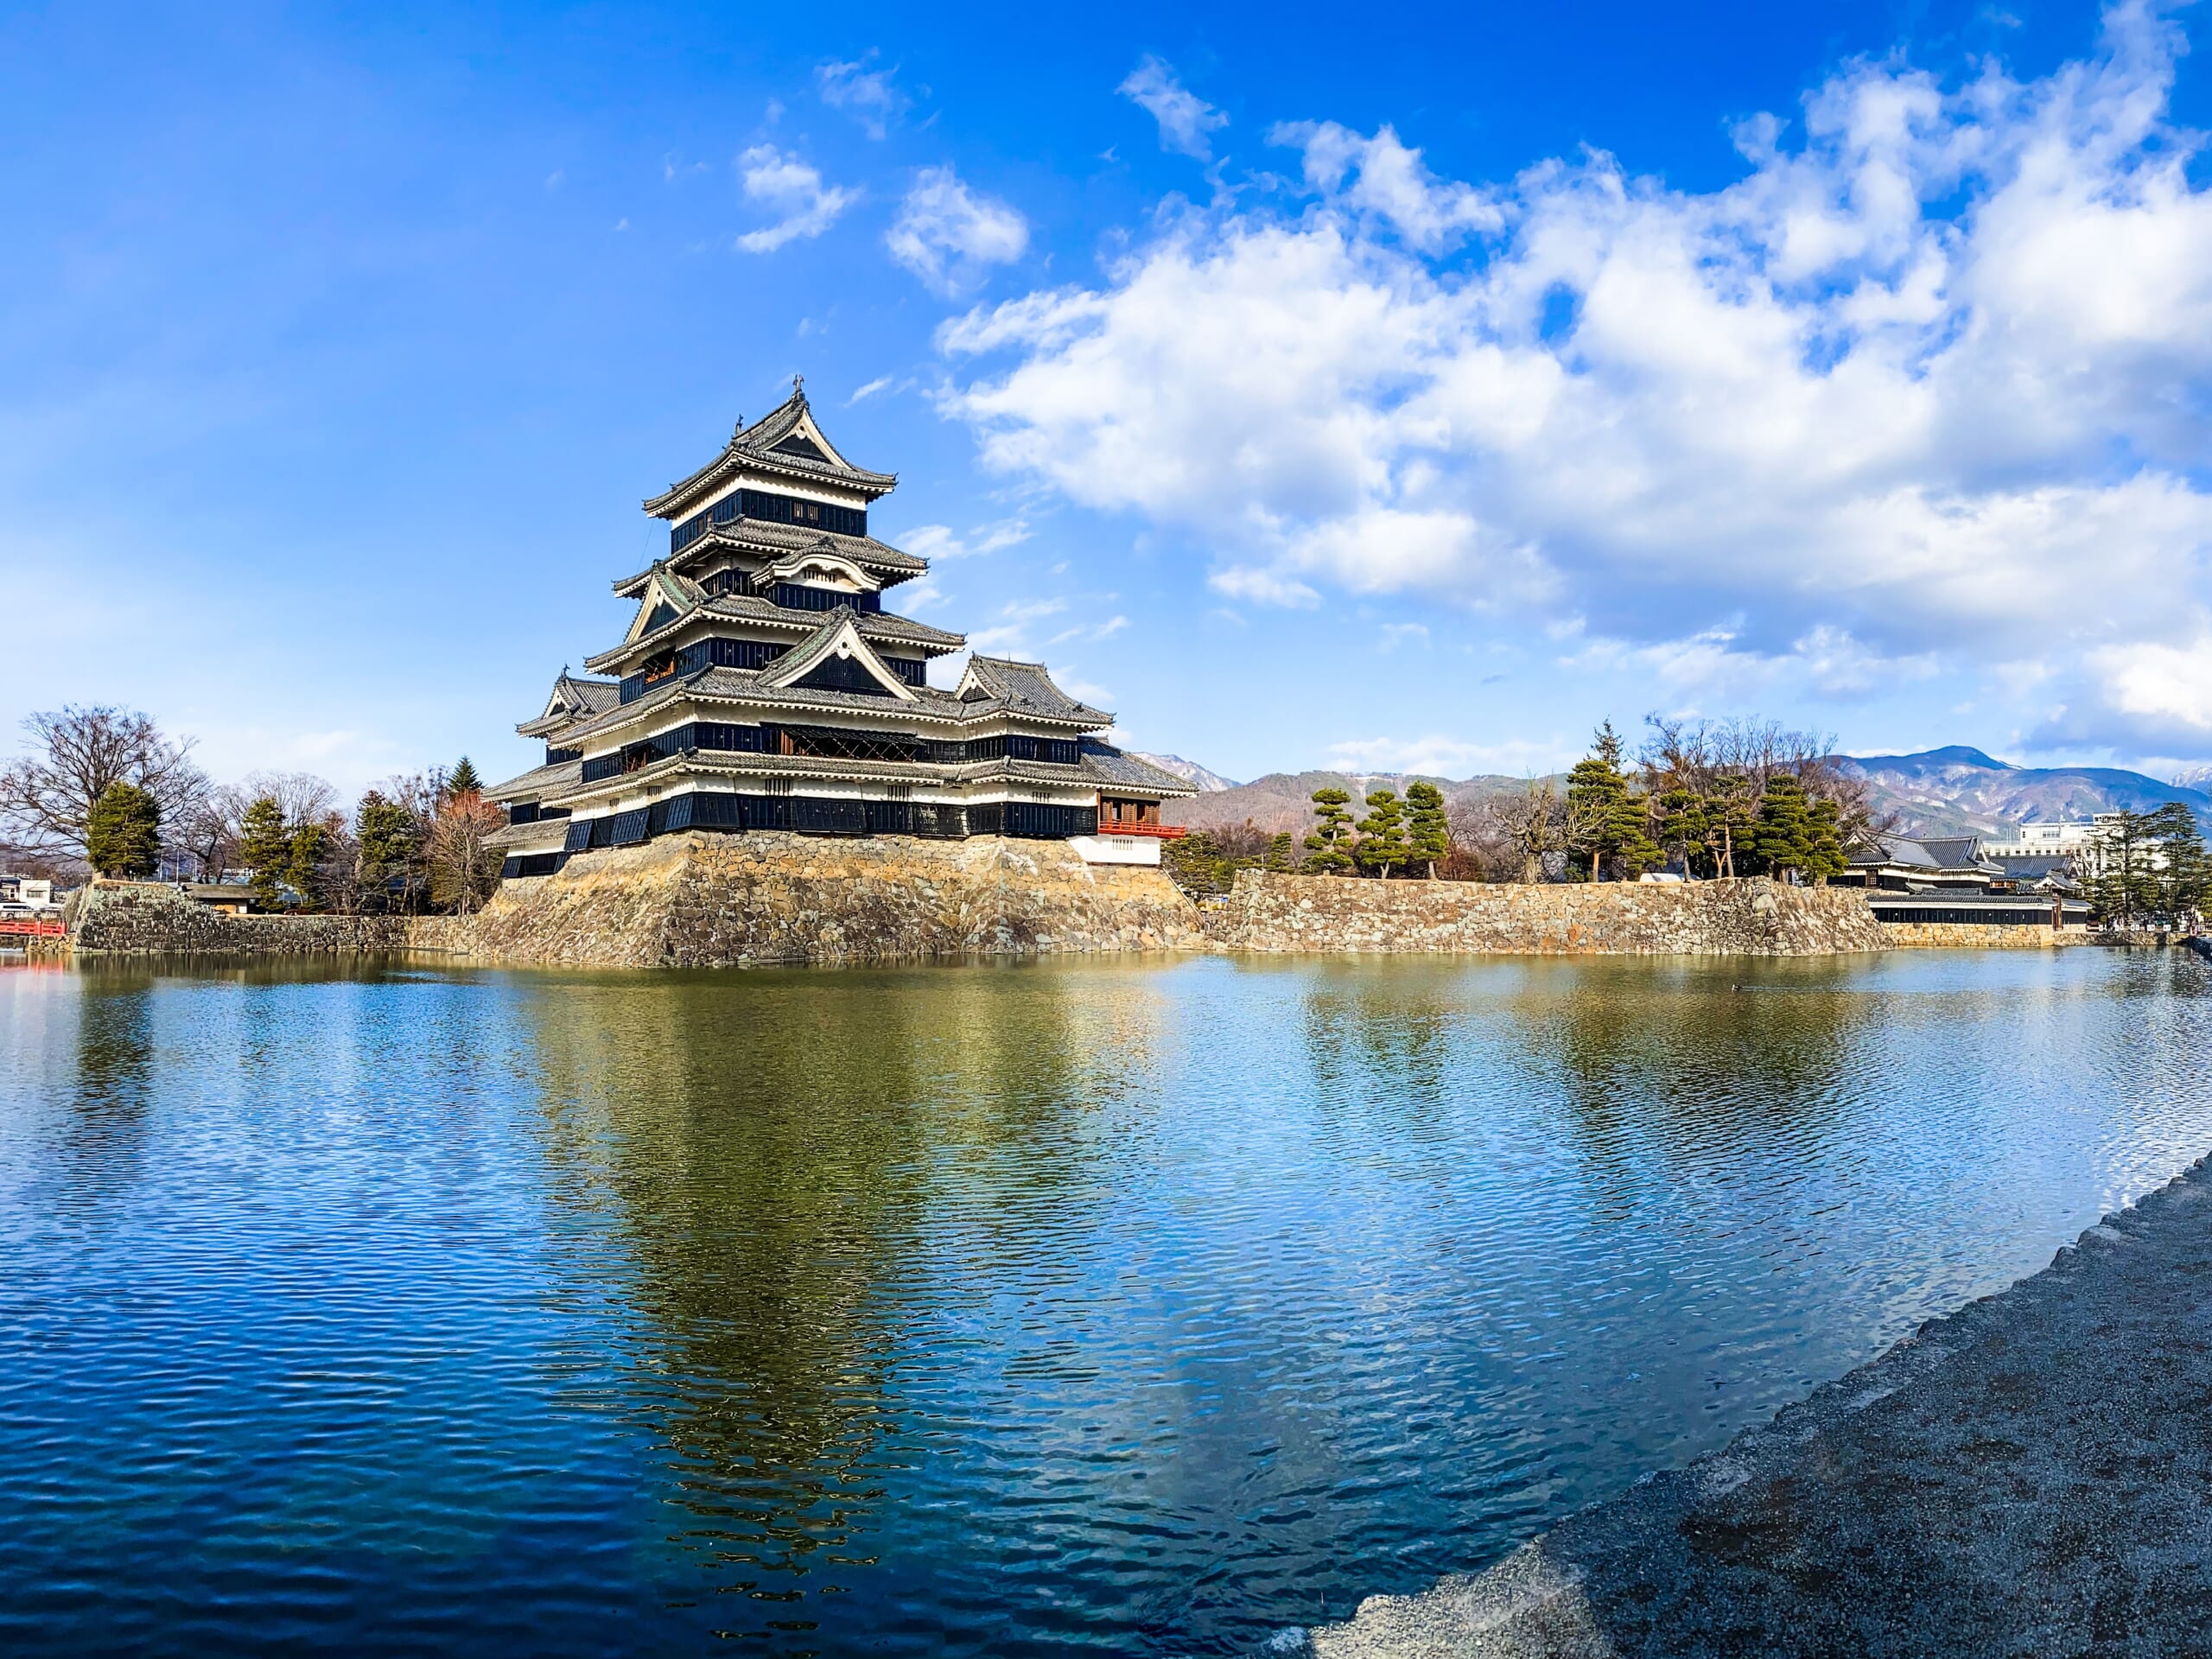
1134, 1308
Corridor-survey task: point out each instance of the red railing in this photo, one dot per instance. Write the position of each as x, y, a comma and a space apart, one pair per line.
31, 927
1165, 831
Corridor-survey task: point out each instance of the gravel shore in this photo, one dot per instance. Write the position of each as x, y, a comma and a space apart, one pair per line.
2029, 1476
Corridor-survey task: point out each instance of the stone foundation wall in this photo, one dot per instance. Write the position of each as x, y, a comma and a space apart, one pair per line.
147, 919
702, 900
1756, 917
1984, 936
708, 901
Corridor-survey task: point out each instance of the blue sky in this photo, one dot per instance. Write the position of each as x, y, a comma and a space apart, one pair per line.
1412, 389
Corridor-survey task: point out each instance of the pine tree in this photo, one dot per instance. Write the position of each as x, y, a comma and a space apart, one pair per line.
304, 865
1326, 847
1685, 821
1732, 820
1282, 850
1784, 839
1382, 833
1429, 838
265, 848
463, 780
2122, 885
1827, 856
122, 831
390, 842
1604, 819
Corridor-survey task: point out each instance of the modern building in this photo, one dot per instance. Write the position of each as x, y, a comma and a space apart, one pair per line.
764, 685
2061, 839
26, 892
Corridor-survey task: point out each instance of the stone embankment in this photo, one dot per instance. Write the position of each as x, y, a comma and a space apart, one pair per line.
2027, 1476
706, 900
1755, 916
1983, 936
150, 918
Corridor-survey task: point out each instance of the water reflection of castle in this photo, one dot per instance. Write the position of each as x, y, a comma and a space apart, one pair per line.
762, 685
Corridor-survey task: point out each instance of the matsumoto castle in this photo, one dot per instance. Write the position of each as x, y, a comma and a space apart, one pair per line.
764, 685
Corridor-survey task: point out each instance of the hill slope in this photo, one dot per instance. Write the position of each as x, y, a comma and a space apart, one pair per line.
1283, 800
1956, 791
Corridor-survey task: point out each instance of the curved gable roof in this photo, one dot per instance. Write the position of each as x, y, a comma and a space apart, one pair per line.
786, 442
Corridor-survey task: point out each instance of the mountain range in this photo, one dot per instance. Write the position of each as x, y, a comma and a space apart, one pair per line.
1947, 792
1958, 790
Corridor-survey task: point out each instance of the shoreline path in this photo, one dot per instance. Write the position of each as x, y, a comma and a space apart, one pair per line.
2032, 1475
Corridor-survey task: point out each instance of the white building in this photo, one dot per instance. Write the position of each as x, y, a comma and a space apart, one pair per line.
2042, 840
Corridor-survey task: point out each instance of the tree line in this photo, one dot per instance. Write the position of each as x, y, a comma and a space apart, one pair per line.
1709, 798
103, 790
2146, 868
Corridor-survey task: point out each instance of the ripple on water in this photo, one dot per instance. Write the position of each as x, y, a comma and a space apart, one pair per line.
1141, 1307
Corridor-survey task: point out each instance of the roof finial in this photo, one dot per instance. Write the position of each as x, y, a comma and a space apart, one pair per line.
741, 427
799, 388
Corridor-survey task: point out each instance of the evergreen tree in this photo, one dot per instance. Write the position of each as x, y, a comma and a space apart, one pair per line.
1827, 856
1685, 822
1605, 821
122, 831
390, 839
1327, 848
1193, 863
1429, 838
304, 866
463, 780
1790, 839
2120, 884
1282, 850
2178, 866
265, 848
1382, 833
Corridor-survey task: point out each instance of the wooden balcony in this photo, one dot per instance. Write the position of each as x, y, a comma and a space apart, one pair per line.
1164, 832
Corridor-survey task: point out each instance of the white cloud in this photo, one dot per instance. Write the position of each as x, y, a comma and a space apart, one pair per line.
935, 542
869, 389
1184, 118
1932, 387
1395, 634
1389, 181
866, 94
1262, 588
947, 235
783, 184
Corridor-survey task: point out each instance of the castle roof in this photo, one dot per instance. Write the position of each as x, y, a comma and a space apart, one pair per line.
765, 535
876, 626
785, 443
572, 699
1108, 764
1023, 688
837, 638
538, 780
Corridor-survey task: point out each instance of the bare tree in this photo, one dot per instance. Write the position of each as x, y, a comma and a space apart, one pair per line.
204, 843
337, 879
464, 867
74, 756
1532, 823
1712, 774
301, 796
1242, 841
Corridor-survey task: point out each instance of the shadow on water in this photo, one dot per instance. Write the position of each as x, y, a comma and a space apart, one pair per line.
786, 1162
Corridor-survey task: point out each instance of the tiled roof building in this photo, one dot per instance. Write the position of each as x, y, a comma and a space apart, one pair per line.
762, 684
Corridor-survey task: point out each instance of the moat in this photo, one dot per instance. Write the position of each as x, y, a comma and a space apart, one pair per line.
1151, 1305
